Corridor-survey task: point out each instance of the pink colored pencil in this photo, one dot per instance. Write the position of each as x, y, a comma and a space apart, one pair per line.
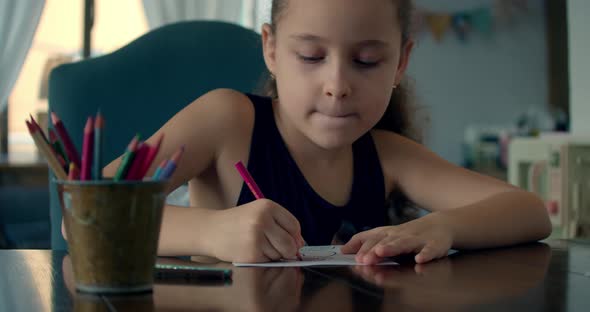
47, 152
151, 155
36, 125
87, 146
136, 166
65, 139
249, 180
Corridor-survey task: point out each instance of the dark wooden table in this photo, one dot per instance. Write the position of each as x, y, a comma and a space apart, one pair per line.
552, 276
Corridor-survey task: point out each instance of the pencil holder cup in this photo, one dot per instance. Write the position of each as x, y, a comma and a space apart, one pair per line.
113, 230
84, 302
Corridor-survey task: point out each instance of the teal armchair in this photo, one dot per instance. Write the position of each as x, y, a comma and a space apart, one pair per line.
143, 84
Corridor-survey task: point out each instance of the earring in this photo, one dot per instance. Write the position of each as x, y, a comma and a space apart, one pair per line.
272, 76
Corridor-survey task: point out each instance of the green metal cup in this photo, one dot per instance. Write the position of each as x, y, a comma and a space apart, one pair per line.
113, 230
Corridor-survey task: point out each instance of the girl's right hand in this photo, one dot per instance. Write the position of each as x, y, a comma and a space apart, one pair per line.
259, 231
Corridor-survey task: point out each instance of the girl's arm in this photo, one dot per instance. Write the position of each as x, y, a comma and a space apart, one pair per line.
481, 211
217, 124
202, 128
469, 210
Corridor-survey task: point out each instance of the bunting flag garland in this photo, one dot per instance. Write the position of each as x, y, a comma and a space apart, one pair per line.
484, 20
462, 25
439, 24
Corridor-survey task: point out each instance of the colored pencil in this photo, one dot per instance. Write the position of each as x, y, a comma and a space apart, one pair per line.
47, 152
62, 162
249, 180
73, 173
254, 188
158, 171
87, 147
151, 155
60, 157
127, 159
65, 139
171, 164
98, 129
135, 168
34, 123
57, 145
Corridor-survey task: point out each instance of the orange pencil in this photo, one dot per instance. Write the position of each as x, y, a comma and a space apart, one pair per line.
73, 173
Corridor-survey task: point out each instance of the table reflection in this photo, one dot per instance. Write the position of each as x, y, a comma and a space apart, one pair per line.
462, 281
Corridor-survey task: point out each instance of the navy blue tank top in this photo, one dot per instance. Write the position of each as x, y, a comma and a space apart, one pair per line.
281, 181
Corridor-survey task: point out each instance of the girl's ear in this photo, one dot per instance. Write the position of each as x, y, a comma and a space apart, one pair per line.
268, 47
404, 60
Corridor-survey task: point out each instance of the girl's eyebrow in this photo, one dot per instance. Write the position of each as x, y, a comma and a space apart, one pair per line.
317, 39
307, 37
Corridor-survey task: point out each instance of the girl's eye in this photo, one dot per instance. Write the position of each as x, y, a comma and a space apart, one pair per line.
310, 59
366, 63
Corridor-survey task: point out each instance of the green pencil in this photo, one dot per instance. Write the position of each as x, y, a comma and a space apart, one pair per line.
57, 146
127, 159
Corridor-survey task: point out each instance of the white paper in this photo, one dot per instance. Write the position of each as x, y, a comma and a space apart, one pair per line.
315, 256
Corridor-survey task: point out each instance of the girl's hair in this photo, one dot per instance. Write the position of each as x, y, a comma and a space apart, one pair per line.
400, 112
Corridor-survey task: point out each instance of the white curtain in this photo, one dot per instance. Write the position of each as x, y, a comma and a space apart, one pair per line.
161, 12
18, 23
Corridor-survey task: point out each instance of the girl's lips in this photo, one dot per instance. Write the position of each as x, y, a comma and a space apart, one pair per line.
335, 120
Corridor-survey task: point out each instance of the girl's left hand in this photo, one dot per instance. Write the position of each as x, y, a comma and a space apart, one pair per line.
426, 237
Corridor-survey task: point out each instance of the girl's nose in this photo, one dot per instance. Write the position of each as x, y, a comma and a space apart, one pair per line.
337, 85
337, 92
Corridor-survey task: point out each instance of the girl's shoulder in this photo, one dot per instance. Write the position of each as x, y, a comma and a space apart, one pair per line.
227, 106
213, 127
229, 113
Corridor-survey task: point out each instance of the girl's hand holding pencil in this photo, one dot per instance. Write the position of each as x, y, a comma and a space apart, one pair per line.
259, 231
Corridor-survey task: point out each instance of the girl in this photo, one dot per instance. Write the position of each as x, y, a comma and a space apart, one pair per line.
328, 147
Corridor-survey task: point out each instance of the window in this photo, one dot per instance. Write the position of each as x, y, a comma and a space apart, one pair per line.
60, 34
59, 37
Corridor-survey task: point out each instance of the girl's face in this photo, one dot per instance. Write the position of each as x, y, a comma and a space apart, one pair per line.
336, 63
